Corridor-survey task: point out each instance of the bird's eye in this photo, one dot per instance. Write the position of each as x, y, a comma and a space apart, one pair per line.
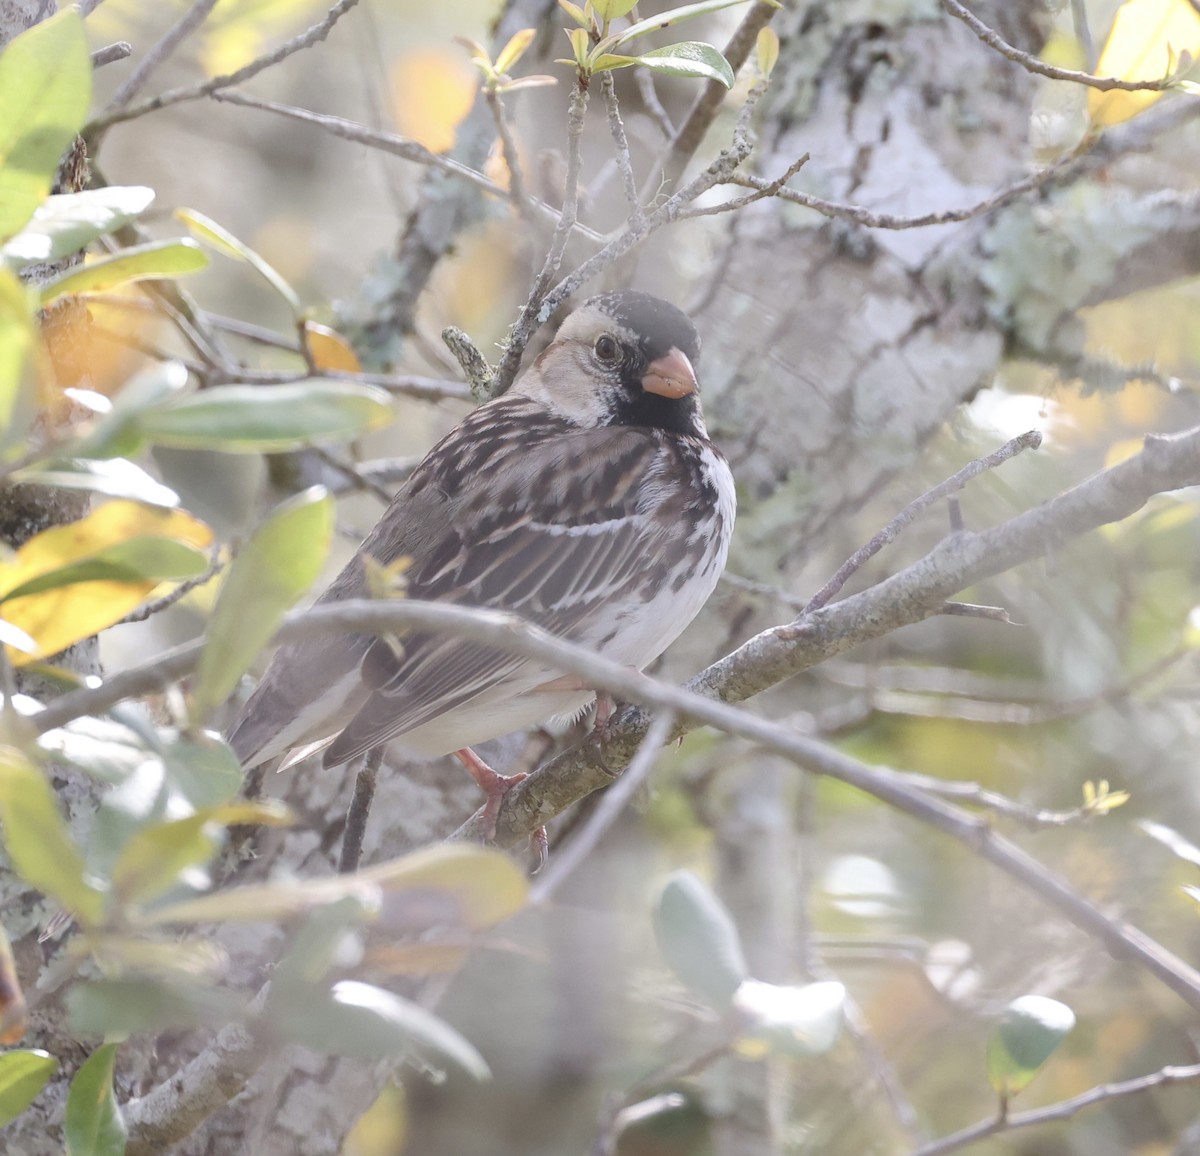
607, 348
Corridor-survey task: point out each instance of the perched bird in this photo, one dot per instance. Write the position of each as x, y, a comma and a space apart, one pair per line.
588, 499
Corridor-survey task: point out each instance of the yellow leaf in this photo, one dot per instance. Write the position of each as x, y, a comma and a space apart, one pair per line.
382, 1129
59, 617
431, 92
768, 50
329, 349
1146, 37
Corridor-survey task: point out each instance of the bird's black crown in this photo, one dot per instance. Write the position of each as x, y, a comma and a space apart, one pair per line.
660, 326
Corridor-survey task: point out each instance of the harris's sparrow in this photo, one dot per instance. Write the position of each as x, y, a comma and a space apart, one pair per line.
588, 499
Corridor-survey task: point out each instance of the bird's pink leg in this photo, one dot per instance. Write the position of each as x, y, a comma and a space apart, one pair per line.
493, 785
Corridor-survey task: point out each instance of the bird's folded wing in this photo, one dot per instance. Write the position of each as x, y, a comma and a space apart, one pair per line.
540, 561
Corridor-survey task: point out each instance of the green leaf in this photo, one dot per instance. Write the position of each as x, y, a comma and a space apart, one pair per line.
319, 941
115, 478
282, 559
202, 769
609, 62
116, 435
689, 58
580, 43
141, 559
474, 886
699, 940
791, 1021
23, 1074
516, 47
37, 839
358, 1019
665, 19
137, 263
267, 419
66, 222
1029, 1031
126, 1006
104, 748
156, 856
219, 238
575, 12
94, 1124
613, 9
45, 90
18, 336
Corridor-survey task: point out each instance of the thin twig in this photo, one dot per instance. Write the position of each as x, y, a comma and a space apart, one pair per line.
182, 590
720, 171
1030, 440
775, 593
357, 479
872, 220
150, 348
403, 384
885, 1074
473, 364
705, 107
111, 53
196, 14
769, 189
537, 309
653, 106
608, 87
360, 809
259, 334
512, 160
1031, 63
306, 39
615, 799
1063, 1110
614, 1114
403, 147
385, 472
906, 695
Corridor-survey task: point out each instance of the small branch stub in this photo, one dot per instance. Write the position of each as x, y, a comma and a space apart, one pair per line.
474, 364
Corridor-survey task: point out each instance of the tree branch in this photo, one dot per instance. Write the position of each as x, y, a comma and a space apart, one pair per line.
1029, 440
400, 146
1031, 63
196, 14
917, 592
306, 39
1063, 1110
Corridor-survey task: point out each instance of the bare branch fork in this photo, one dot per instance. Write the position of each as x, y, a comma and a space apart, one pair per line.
1030, 440
306, 39
1031, 63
